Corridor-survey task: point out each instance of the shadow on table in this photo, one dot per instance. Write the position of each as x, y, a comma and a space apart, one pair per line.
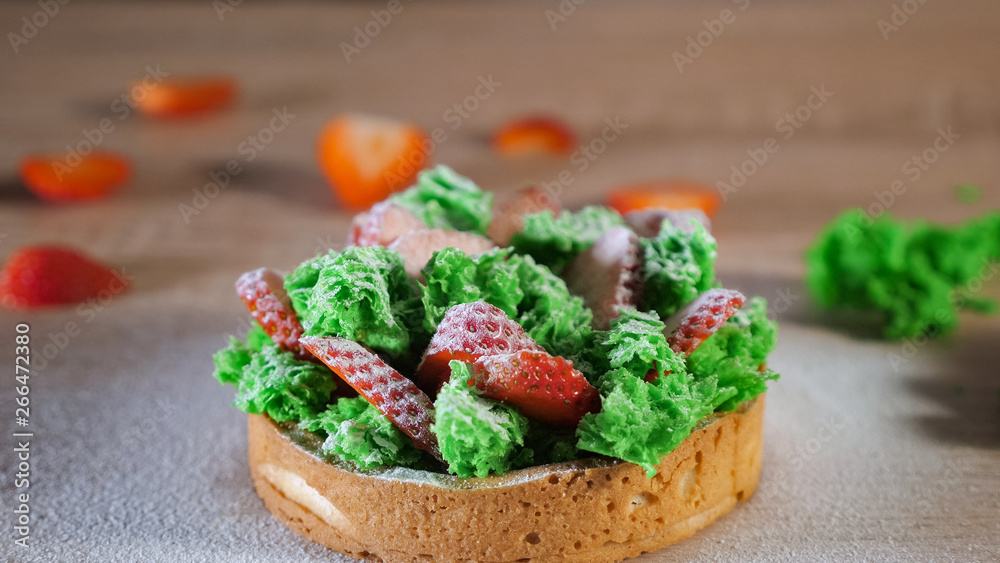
969, 392
788, 300
290, 184
12, 189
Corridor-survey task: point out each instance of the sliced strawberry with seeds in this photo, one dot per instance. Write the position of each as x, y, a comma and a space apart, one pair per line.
542, 386
382, 224
392, 394
508, 216
36, 276
263, 292
689, 327
419, 245
608, 275
468, 332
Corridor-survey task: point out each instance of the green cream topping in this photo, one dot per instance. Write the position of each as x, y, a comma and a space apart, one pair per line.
678, 266
273, 382
443, 199
361, 294
356, 431
735, 356
555, 240
916, 275
476, 435
364, 294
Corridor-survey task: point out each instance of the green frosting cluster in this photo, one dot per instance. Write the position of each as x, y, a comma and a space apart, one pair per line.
356, 431
362, 294
639, 421
555, 240
642, 421
453, 278
678, 266
918, 275
272, 382
635, 343
476, 435
736, 355
528, 292
443, 199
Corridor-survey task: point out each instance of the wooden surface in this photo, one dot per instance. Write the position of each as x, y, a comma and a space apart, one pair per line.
138, 455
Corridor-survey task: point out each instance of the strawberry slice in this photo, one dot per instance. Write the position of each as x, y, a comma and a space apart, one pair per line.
418, 246
366, 158
534, 135
608, 275
392, 394
669, 194
542, 386
263, 292
468, 332
689, 327
382, 224
647, 222
182, 97
508, 217
92, 177
36, 276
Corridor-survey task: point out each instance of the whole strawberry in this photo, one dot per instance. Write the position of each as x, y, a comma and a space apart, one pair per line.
35, 276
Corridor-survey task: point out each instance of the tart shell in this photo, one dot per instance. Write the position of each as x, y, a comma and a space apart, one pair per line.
595, 509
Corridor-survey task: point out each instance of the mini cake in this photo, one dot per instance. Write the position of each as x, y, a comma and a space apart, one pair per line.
584, 392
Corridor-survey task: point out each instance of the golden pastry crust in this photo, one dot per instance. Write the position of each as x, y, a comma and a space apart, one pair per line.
586, 510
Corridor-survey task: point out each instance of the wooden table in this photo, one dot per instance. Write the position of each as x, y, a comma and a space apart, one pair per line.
136, 454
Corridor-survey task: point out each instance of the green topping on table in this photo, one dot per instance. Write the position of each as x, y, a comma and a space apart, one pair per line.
443, 199
917, 275
356, 431
362, 294
640, 422
454, 277
678, 266
968, 193
276, 384
476, 435
555, 240
736, 355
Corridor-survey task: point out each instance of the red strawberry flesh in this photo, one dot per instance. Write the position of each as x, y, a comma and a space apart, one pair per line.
689, 327
544, 387
263, 292
392, 394
36, 276
467, 332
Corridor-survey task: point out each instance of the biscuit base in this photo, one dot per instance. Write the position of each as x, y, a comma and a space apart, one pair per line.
594, 509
